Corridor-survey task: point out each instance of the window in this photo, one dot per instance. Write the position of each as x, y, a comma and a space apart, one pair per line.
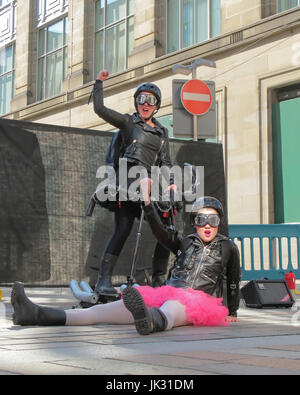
287, 4
7, 22
49, 10
52, 58
191, 21
7, 53
3, 2
275, 6
113, 34
7, 73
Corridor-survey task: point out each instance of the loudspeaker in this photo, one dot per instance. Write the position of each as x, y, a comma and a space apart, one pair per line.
267, 293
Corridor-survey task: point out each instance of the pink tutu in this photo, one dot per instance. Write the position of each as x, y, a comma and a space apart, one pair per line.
201, 309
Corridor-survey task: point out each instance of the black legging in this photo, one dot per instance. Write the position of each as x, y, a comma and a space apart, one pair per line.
124, 219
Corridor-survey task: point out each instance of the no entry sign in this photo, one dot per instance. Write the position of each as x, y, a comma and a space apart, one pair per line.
196, 97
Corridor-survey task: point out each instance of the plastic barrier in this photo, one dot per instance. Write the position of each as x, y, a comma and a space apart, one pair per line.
268, 251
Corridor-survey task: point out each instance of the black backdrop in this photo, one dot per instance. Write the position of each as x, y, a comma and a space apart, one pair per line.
47, 175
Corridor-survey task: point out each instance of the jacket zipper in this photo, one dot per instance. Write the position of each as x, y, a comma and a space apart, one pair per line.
133, 144
200, 263
161, 145
208, 278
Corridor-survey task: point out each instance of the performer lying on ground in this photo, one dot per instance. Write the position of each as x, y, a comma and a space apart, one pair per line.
202, 260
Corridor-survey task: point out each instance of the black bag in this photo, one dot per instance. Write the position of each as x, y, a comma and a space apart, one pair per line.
113, 153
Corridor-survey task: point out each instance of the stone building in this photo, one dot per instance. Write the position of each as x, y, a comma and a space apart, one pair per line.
52, 50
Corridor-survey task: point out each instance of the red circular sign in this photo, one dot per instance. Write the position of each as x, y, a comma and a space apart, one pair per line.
196, 97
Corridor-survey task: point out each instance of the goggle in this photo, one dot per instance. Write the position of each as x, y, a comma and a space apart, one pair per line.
150, 99
204, 219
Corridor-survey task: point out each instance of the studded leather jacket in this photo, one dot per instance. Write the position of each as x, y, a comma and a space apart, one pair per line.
141, 144
198, 265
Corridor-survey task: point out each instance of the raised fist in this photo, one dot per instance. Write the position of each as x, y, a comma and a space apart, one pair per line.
103, 75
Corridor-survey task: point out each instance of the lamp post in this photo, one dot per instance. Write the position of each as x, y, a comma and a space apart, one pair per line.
192, 68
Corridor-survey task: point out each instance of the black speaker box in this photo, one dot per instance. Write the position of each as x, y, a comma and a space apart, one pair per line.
267, 293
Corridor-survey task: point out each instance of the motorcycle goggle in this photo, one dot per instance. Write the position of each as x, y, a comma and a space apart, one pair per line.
204, 219
150, 99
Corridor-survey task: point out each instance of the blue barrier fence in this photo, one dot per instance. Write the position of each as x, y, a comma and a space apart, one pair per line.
267, 251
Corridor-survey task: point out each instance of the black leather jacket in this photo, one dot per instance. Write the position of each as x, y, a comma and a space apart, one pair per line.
200, 266
141, 144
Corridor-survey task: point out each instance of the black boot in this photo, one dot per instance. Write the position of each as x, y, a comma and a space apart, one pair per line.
146, 320
104, 284
29, 313
159, 271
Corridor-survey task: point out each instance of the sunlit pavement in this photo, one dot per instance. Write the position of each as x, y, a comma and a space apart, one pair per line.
263, 342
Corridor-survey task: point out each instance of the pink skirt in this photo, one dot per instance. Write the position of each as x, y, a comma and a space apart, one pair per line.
201, 309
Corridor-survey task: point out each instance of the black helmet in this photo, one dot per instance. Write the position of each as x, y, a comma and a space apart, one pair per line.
206, 202
148, 87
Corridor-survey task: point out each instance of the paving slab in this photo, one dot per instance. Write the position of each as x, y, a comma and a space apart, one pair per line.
262, 342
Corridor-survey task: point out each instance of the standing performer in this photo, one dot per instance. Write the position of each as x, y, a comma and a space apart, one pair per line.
202, 260
143, 142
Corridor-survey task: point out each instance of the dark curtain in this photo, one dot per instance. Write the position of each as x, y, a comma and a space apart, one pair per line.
24, 239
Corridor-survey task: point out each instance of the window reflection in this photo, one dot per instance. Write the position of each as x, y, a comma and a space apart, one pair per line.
52, 62
192, 21
114, 34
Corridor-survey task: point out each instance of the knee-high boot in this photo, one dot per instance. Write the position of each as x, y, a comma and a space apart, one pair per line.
29, 313
104, 284
159, 271
146, 320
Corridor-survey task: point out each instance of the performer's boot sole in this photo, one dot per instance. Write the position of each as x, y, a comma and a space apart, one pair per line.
134, 302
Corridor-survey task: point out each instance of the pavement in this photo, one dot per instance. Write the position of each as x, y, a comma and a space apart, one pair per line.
262, 342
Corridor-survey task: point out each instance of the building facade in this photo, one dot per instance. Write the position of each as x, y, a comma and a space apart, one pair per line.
52, 50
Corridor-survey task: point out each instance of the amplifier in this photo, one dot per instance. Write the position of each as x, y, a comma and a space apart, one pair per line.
267, 293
